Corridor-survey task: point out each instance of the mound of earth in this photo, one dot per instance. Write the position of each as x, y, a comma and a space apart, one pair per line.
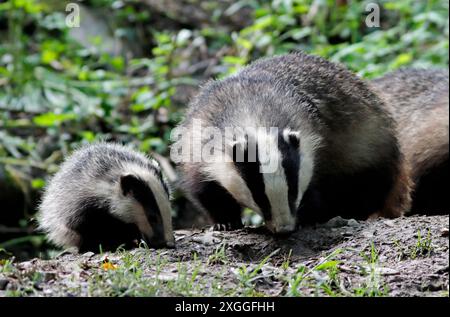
408, 256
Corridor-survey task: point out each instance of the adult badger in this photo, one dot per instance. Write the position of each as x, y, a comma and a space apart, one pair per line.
418, 101
336, 149
110, 195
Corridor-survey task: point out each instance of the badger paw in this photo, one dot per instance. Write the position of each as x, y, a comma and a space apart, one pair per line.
227, 226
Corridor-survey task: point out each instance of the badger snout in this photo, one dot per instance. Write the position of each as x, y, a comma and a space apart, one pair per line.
158, 242
281, 230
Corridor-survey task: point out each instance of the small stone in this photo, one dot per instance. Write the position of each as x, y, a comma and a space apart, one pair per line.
389, 223
336, 222
383, 270
88, 254
444, 232
67, 251
209, 238
27, 265
353, 223
48, 291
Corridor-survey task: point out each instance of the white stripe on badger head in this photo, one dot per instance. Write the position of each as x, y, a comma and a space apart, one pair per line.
127, 208
226, 174
164, 207
308, 145
161, 198
124, 208
276, 187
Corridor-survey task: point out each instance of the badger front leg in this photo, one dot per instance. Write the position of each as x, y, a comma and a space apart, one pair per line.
398, 201
224, 210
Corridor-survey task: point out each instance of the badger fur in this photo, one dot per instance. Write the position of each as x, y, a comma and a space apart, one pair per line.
418, 100
336, 147
110, 195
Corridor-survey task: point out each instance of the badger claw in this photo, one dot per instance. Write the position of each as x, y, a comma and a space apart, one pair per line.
227, 226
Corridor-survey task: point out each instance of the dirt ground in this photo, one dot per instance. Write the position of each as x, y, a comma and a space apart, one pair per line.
407, 256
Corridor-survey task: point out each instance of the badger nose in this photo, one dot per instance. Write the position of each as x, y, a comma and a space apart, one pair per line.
155, 242
283, 230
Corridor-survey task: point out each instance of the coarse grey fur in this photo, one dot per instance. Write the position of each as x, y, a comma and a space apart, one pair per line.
418, 100
89, 183
344, 131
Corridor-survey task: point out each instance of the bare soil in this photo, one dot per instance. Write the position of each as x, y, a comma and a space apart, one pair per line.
408, 256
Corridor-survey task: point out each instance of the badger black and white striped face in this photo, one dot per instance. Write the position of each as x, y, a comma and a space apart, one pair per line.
275, 192
143, 201
147, 211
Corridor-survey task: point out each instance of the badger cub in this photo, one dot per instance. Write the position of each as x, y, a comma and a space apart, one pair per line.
335, 152
110, 195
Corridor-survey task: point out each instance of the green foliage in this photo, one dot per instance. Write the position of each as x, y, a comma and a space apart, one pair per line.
219, 256
412, 33
422, 248
248, 276
307, 277
373, 285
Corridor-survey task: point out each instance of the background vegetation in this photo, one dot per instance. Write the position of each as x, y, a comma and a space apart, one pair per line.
127, 73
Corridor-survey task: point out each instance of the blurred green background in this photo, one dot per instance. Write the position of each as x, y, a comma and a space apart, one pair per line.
128, 71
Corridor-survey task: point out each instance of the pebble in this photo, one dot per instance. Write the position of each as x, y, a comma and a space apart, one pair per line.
88, 254
389, 223
353, 223
385, 270
367, 234
336, 222
209, 238
444, 232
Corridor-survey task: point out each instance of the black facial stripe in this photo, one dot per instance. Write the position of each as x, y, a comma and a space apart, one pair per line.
294, 141
250, 172
291, 165
145, 196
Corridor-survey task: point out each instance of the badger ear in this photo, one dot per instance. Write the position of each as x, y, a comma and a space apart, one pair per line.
292, 137
130, 184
